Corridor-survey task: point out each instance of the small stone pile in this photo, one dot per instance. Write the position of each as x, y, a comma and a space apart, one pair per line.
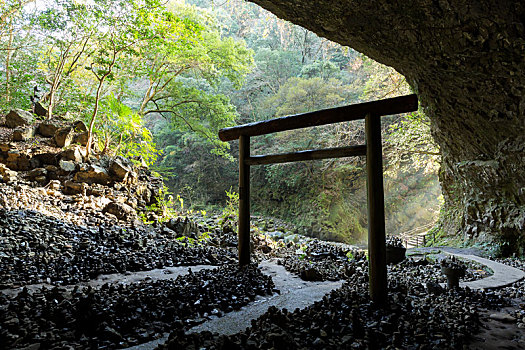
35, 248
321, 261
414, 318
118, 315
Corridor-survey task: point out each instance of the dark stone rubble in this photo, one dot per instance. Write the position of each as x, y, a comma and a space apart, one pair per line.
346, 319
118, 315
39, 249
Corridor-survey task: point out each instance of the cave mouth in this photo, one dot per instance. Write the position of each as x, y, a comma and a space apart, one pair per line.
413, 196
464, 61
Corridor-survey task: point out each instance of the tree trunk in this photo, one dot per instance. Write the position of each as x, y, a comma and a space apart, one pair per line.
94, 115
7, 63
57, 78
51, 104
146, 98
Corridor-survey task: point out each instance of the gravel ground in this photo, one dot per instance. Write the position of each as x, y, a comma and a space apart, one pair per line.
35, 248
119, 315
416, 318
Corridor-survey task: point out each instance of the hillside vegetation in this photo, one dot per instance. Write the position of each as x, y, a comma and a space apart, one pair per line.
156, 81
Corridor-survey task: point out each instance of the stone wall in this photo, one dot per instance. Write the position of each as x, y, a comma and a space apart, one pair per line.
466, 61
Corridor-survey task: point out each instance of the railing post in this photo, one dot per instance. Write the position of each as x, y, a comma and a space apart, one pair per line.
376, 211
244, 201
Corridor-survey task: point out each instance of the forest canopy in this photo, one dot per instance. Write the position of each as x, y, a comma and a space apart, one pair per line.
86, 57
156, 80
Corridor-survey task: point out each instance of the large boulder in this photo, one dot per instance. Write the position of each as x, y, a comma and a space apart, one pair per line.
36, 173
120, 168
64, 136
47, 158
67, 166
81, 138
18, 117
52, 172
72, 188
73, 154
24, 133
79, 126
47, 129
18, 160
120, 210
93, 174
39, 175
183, 226
145, 193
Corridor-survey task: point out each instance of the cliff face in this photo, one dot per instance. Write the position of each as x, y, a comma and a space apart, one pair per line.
466, 61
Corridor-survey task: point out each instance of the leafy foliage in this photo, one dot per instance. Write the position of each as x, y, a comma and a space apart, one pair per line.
122, 132
410, 145
229, 216
303, 95
191, 109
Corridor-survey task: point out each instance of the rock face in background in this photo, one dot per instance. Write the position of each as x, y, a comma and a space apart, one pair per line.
466, 61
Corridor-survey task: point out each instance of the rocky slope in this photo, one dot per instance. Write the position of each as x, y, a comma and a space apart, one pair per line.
50, 155
66, 219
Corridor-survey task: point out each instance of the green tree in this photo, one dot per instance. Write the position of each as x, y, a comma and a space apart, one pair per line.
321, 69
10, 9
300, 95
125, 132
69, 30
123, 25
378, 81
410, 146
191, 170
15, 40
189, 60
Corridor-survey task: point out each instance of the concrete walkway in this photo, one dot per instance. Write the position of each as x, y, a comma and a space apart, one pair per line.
294, 293
503, 276
124, 278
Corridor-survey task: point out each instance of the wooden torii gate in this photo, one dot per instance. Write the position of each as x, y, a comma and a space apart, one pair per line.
372, 113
